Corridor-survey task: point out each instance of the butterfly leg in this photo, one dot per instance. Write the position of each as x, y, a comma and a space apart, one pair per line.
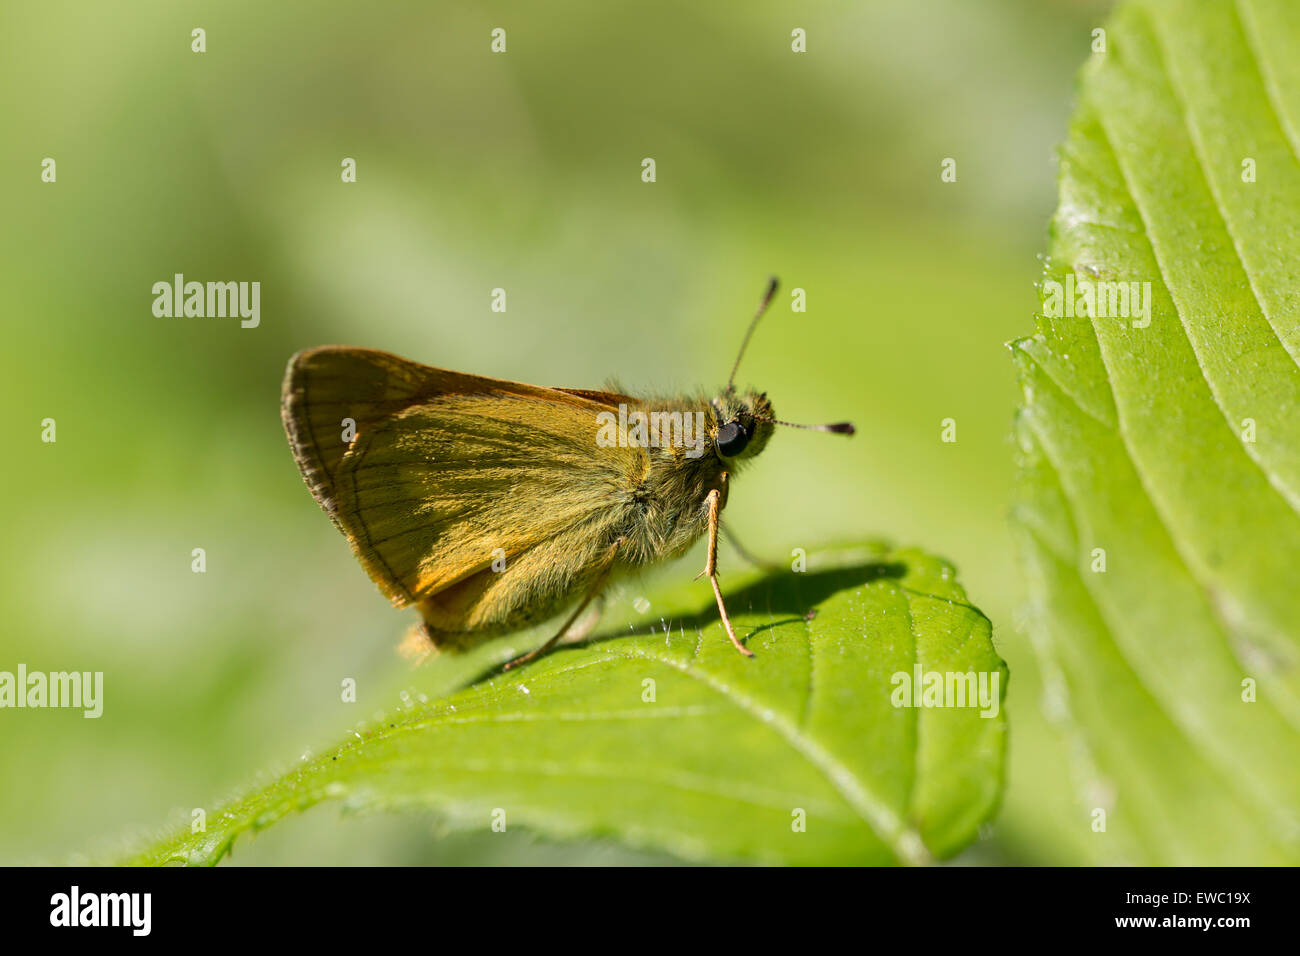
592, 594
581, 630
711, 569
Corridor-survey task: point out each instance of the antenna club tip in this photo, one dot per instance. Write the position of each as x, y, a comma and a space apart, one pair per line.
844, 428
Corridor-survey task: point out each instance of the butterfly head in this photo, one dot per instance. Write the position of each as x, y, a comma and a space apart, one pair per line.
743, 423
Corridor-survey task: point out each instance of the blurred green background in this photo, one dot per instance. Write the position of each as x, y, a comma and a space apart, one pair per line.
478, 171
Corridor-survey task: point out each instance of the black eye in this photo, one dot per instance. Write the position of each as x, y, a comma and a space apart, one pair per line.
732, 439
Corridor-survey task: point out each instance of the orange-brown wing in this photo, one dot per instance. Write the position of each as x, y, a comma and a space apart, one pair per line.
602, 397
445, 471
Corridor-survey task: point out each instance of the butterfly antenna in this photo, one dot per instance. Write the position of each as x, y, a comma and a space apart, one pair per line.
835, 428
762, 307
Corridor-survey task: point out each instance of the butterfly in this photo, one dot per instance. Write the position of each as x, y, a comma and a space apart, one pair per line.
491, 505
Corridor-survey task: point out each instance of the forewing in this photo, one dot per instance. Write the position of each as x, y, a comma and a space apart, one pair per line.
601, 397
446, 471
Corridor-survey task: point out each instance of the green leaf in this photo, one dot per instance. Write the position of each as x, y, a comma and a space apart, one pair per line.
1174, 446
719, 764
